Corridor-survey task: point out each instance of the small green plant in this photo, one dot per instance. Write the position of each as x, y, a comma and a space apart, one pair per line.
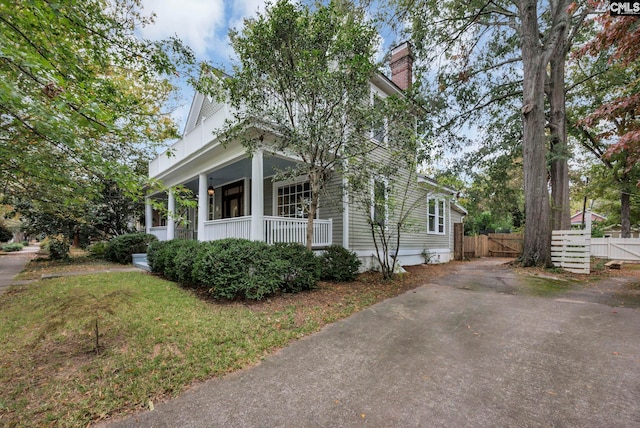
98, 249
58, 247
8, 248
81, 304
122, 247
597, 264
339, 264
427, 256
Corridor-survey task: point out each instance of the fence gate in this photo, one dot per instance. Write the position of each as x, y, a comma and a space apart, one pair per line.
571, 250
505, 244
616, 248
458, 241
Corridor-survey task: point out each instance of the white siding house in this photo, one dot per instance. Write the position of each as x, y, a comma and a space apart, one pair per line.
238, 195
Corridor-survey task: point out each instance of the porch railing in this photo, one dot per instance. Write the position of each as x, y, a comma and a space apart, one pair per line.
276, 229
238, 227
286, 229
182, 233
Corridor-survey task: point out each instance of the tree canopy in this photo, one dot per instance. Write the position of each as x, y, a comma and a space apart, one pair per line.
302, 84
82, 97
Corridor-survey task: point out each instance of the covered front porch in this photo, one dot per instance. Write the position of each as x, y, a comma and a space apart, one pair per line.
241, 199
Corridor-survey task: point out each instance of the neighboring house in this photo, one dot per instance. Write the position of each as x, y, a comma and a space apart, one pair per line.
615, 231
238, 197
576, 219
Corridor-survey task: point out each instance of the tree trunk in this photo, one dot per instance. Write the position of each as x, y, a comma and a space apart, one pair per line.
561, 215
313, 205
537, 231
625, 211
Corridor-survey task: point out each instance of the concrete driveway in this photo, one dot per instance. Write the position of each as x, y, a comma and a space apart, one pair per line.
437, 356
12, 264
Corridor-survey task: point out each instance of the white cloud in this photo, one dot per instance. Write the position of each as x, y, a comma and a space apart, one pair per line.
195, 22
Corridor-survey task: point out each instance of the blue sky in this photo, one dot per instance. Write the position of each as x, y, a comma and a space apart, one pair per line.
204, 25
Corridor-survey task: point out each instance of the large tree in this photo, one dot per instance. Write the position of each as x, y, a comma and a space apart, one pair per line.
485, 55
81, 97
301, 86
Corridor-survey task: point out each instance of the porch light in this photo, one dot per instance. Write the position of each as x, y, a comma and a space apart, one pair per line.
211, 191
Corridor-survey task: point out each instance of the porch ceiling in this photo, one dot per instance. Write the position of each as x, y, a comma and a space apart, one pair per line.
241, 169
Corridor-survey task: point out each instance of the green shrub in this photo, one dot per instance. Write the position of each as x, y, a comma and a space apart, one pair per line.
156, 256
98, 249
179, 266
232, 268
339, 264
122, 247
58, 246
25, 243
12, 247
303, 267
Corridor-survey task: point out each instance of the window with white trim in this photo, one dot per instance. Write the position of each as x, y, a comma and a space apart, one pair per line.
293, 199
435, 216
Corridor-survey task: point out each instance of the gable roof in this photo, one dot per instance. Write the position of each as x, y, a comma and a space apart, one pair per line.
577, 217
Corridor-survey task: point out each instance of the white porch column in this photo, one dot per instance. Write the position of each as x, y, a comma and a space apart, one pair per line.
257, 197
203, 204
148, 215
171, 206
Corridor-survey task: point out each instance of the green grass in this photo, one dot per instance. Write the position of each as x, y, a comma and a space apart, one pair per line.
163, 339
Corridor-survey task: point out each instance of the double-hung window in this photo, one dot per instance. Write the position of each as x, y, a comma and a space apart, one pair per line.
293, 199
435, 216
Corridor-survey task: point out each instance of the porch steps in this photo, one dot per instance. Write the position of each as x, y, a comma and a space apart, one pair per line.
140, 261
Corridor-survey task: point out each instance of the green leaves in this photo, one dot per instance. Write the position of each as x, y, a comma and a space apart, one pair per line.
81, 96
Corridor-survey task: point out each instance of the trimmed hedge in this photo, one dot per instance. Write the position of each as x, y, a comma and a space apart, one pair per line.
339, 264
181, 267
303, 267
238, 268
122, 247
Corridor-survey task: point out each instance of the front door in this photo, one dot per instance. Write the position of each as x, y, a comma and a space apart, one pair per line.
232, 199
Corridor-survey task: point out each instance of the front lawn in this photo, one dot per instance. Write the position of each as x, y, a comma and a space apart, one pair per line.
78, 262
158, 339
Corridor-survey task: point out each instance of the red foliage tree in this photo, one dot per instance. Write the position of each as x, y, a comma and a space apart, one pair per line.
619, 36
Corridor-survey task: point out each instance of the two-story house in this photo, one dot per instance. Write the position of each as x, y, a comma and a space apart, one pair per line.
238, 196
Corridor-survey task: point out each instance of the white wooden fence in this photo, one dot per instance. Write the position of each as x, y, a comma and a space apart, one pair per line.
616, 248
571, 250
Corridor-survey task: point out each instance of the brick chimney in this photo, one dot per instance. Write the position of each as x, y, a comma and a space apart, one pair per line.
402, 66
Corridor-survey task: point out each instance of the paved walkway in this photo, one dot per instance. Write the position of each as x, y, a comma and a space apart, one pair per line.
440, 356
12, 264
